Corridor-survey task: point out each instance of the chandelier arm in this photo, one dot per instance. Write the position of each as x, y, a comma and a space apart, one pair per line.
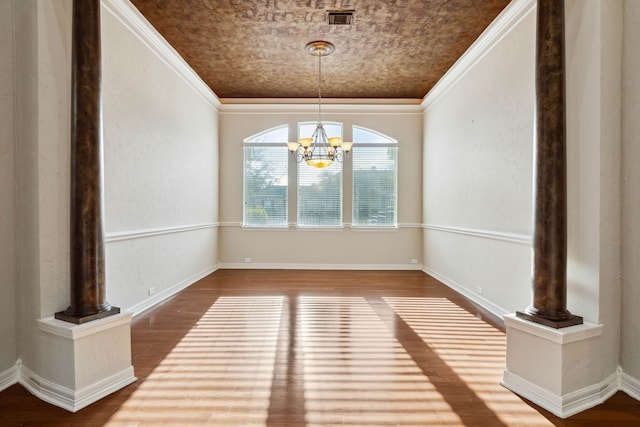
314, 138
329, 151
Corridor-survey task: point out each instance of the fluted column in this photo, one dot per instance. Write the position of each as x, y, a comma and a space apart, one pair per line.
88, 292
549, 305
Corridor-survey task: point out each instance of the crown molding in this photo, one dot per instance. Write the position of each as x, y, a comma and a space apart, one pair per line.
310, 106
507, 20
314, 101
130, 17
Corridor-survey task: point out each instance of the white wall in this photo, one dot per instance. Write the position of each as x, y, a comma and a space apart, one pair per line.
630, 357
343, 248
478, 135
8, 260
161, 165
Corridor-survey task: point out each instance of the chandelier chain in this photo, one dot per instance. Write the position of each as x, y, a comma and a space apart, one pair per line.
319, 88
319, 151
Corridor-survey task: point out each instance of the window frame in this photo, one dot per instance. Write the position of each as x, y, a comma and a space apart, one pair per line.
340, 221
390, 143
248, 143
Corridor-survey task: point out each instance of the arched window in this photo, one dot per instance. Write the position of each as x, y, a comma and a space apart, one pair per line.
375, 179
266, 179
373, 164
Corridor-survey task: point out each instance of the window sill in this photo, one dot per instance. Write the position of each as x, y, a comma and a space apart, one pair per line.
368, 228
319, 227
345, 226
265, 228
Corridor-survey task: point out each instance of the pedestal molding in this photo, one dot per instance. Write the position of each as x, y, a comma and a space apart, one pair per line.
73, 400
558, 336
543, 363
565, 405
75, 331
88, 361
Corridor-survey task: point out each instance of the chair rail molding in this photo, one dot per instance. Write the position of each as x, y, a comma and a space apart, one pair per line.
119, 236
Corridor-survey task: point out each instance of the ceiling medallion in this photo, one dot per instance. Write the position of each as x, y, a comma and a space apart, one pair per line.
320, 48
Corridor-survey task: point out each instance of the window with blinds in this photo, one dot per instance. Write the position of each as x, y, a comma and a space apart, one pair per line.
375, 177
266, 179
320, 190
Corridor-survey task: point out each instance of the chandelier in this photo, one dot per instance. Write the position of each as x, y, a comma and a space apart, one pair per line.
319, 151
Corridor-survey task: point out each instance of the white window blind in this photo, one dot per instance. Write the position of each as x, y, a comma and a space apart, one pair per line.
266, 179
320, 190
375, 165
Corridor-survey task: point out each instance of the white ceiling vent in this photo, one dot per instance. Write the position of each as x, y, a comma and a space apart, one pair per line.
341, 17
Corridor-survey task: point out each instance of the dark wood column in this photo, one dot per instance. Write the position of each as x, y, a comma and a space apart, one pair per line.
549, 305
88, 293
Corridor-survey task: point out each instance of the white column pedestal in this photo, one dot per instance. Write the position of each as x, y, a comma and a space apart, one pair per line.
80, 364
554, 368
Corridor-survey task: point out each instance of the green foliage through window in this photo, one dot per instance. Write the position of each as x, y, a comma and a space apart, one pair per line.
375, 159
266, 179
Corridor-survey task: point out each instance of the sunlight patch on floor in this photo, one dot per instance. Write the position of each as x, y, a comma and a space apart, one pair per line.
356, 372
219, 374
473, 349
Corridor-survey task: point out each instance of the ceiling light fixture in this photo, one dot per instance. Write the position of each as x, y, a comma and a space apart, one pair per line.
319, 151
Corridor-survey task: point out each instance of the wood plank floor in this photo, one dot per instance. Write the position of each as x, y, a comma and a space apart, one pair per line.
314, 348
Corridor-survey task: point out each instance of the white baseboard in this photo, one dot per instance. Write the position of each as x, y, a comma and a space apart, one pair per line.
296, 266
591, 396
73, 400
630, 385
163, 295
566, 405
9, 377
482, 302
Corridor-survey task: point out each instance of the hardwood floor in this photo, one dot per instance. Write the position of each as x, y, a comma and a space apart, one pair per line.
314, 348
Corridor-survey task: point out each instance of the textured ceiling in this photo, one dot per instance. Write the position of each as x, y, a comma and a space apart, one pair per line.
255, 49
